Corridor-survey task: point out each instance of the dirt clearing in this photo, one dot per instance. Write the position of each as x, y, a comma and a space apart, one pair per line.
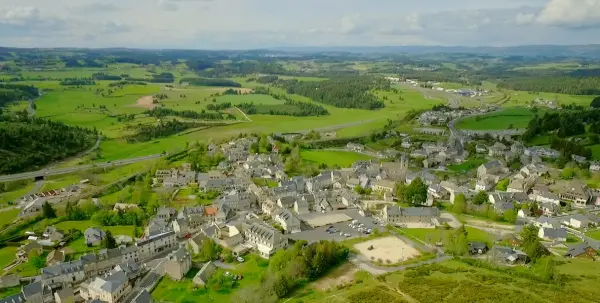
222, 89
388, 248
344, 274
146, 102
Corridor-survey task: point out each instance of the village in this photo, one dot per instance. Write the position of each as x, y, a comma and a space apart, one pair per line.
361, 201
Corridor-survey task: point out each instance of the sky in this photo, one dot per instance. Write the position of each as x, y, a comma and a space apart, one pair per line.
250, 24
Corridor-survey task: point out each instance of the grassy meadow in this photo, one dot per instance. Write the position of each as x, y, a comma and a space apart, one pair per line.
516, 117
332, 158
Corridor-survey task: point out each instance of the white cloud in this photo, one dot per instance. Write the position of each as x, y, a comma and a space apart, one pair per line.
525, 18
571, 13
19, 15
95, 8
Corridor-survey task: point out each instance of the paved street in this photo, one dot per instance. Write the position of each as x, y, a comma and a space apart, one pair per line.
67, 170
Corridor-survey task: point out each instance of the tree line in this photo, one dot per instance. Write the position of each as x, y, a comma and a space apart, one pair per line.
350, 92
16, 92
291, 268
203, 115
77, 81
29, 143
210, 82
559, 85
162, 129
219, 106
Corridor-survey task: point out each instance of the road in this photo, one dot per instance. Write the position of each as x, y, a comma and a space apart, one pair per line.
81, 154
243, 113
68, 170
333, 127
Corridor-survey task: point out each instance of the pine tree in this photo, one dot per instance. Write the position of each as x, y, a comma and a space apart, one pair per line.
48, 210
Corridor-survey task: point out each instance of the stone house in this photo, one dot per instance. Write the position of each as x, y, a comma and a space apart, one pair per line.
178, 263
396, 215
94, 236
287, 220
110, 289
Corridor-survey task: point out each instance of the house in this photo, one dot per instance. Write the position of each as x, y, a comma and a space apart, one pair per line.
553, 234
110, 289
595, 166
239, 200
547, 222
477, 248
505, 197
287, 220
384, 185
437, 191
524, 213
540, 151
517, 186
55, 257
264, 239
491, 168
94, 236
286, 202
181, 227
227, 235
33, 208
578, 221
392, 214
517, 147
64, 295
546, 197
355, 147
582, 250
156, 226
66, 272
195, 243
484, 184
508, 255
497, 150
178, 263
480, 149
143, 297
166, 213
204, 274
455, 190
576, 192
26, 250
301, 206
9, 280
53, 234
131, 268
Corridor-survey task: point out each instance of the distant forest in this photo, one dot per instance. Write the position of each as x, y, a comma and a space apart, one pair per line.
164, 129
210, 82
560, 85
203, 115
345, 92
29, 143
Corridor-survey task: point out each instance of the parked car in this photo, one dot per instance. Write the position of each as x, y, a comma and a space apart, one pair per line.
240, 259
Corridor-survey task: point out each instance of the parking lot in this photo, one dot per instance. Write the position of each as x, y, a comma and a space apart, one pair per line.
320, 233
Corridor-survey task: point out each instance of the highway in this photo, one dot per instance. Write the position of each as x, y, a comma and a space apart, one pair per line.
68, 170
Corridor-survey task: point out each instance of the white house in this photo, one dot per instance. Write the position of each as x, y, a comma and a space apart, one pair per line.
265, 240
553, 234
579, 221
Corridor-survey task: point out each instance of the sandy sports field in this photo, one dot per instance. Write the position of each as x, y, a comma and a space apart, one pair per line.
388, 248
222, 89
145, 102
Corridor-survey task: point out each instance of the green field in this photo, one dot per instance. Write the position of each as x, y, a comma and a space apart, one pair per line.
333, 158
432, 236
595, 234
7, 255
516, 117
184, 291
13, 196
458, 282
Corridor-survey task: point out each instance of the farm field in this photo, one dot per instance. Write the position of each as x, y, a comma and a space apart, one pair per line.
515, 117
7, 254
522, 98
333, 158
184, 291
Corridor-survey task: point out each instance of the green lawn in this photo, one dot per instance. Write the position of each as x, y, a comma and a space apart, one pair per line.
6, 292
7, 255
13, 196
333, 158
517, 117
265, 182
185, 291
467, 165
595, 234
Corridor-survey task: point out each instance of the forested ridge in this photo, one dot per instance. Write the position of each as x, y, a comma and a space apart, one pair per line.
346, 92
29, 143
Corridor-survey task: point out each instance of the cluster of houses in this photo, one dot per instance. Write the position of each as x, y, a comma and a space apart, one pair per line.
442, 117
33, 203
436, 154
